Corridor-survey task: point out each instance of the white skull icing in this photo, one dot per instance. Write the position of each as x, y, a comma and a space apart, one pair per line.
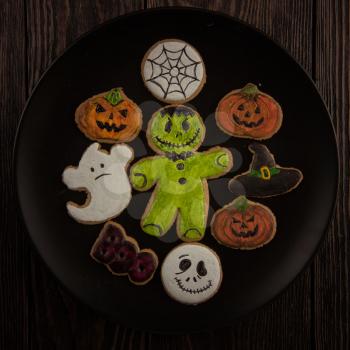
191, 273
103, 175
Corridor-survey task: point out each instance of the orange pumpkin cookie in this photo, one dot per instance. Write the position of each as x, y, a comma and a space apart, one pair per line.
243, 224
249, 113
109, 117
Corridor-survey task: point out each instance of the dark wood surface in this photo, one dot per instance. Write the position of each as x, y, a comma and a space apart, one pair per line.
37, 313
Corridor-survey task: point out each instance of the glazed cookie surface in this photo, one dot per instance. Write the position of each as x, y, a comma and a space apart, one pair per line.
109, 117
179, 173
122, 255
103, 176
249, 113
265, 178
173, 71
191, 273
243, 224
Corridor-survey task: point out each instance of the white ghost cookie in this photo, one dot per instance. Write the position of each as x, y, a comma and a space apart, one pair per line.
173, 71
191, 273
103, 176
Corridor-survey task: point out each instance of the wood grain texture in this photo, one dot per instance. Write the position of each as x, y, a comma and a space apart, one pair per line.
14, 246
285, 323
332, 282
57, 320
37, 312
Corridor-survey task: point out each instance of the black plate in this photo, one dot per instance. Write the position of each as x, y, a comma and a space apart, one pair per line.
234, 54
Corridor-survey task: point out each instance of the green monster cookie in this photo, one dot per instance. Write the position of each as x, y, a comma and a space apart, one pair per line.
175, 132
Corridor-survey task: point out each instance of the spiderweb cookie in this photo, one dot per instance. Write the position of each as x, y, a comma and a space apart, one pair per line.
173, 71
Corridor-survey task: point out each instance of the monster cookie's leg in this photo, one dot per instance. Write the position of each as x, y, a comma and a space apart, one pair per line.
159, 215
192, 217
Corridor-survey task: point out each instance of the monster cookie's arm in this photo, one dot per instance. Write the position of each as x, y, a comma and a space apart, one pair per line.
146, 172
215, 162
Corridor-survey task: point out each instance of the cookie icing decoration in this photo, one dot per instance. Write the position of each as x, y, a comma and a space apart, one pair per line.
122, 256
249, 113
109, 117
243, 224
103, 176
179, 173
265, 178
191, 273
173, 71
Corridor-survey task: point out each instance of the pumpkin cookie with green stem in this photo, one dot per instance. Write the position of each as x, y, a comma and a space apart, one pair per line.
249, 113
180, 173
109, 117
243, 224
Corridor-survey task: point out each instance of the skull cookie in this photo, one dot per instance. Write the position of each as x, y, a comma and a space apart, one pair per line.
191, 273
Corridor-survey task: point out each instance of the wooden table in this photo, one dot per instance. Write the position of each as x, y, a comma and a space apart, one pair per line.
37, 313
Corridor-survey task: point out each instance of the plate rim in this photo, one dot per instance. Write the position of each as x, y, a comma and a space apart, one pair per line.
95, 29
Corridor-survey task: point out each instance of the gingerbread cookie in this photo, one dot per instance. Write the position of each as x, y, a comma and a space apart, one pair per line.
103, 176
122, 255
243, 224
265, 178
249, 113
109, 117
173, 71
191, 273
180, 173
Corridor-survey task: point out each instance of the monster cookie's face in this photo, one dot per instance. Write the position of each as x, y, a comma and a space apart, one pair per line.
175, 129
191, 273
112, 117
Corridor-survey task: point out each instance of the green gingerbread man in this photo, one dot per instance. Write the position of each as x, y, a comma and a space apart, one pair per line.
180, 173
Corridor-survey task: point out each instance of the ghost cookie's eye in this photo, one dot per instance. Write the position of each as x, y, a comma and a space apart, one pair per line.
168, 126
102, 165
185, 264
92, 169
185, 125
99, 108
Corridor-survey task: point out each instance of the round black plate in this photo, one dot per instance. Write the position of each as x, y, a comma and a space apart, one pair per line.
234, 54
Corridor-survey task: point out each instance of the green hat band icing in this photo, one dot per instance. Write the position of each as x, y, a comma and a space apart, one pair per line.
265, 172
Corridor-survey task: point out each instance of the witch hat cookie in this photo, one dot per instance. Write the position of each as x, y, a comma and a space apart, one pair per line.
265, 178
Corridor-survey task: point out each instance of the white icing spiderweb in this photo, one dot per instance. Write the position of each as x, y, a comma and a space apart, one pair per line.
174, 71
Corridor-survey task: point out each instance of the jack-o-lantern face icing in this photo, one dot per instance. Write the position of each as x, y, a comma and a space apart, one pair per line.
109, 117
176, 129
191, 273
243, 224
249, 113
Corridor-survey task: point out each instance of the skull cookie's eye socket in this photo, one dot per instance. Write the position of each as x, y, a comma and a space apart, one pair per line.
99, 108
201, 270
185, 125
185, 264
168, 126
